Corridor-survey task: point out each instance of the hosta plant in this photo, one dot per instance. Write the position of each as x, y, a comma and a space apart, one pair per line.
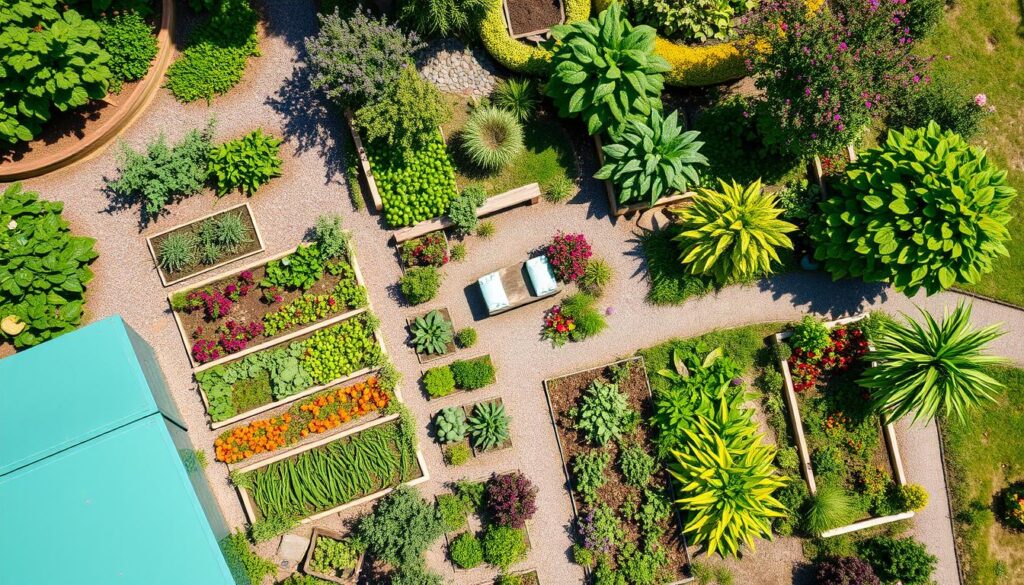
925, 210
51, 60
43, 271
605, 71
932, 368
488, 425
451, 425
245, 163
603, 413
432, 333
652, 157
733, 234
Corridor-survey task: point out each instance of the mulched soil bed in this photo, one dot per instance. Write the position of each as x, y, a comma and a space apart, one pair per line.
527, 16
245, 249
564, 394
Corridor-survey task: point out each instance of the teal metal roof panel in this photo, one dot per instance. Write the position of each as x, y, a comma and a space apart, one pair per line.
69, 390
123, 501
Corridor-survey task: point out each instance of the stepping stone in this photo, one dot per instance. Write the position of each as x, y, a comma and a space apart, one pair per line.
292, 549
653, 220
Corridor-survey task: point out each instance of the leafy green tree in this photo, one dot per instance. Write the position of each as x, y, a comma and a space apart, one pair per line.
651, 158
924, 210
605, 71
50, 59
932, 369
733, 234
407, 116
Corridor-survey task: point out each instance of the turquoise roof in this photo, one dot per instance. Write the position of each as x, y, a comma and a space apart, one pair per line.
89, 457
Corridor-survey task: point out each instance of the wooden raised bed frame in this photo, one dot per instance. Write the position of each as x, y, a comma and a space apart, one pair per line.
351, 578
156, 260
617, 209
542, 31
888, 437
450, 350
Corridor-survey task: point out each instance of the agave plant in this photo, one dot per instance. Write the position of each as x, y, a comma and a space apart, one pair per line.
451, 425
605, 70
432, 333
924, 210
488, 426
932, 369
652, 158
733, 234
178, 251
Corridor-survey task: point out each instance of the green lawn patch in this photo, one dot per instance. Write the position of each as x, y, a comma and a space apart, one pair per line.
984, 455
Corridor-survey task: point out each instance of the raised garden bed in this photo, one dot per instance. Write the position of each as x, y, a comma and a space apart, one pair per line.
528, 578
617, 209
226, 316
838, 438
450, 348
480, 452
527, 18
466, 375
358, 466
291, 370
349, 576
253, 246
427, 250
563, 394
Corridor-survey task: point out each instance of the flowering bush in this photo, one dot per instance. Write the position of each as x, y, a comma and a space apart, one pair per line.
557, 327
846, 344
430, 250
511, 499
568, 255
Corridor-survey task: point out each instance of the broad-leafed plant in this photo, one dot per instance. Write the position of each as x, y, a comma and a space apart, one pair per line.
488, 425
924, 210
245, 163
733, 234
451, 425
652, 157
603, 413
932, 369
432, 333
605, 71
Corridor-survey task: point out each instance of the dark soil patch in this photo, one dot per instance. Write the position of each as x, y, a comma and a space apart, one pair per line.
244, 249
565, 394
532, 16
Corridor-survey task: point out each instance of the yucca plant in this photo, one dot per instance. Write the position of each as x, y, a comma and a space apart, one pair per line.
733, 234
432, 333
932, 369
488, 425
605, 70
517, 96
651, 158
451, 425
492, 137
830, 508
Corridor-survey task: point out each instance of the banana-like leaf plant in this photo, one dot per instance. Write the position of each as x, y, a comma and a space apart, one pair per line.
933, 368
652, 158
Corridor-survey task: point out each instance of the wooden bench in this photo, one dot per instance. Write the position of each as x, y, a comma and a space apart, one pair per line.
527, 194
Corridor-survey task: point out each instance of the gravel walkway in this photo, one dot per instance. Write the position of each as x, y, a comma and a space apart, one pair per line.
275, 95
455, 68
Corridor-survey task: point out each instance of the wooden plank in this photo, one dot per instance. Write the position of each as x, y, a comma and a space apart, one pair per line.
364, 163
529, 194
613, 195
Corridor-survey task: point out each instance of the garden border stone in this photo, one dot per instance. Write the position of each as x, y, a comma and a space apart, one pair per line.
307, 561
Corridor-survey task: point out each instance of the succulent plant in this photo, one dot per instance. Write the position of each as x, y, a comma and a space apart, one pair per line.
488, 426
432, 333
451, 425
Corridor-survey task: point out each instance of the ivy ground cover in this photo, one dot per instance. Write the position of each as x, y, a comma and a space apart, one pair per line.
275, 373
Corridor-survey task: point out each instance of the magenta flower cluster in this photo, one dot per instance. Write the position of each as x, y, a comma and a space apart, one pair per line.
511, 499
568, 255
232, 337
218, 303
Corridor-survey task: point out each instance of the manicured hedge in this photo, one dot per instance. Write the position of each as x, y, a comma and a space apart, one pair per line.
516, 55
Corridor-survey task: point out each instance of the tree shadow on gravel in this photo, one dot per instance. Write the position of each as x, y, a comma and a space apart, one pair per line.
291, 21
821, 295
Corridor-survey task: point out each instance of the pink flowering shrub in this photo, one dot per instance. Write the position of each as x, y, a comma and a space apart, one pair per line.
568, 255
511, 499
232, 337
218, 303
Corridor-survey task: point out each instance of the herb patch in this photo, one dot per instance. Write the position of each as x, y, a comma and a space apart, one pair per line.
205, 244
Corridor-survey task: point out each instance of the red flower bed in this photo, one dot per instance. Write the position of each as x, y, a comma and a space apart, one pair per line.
846, 345
568, 255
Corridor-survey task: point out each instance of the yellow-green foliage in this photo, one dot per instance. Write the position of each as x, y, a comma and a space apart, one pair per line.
516, 55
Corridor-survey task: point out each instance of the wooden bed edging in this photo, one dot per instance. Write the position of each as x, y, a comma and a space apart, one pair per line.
307, 561
528, 194
618, 209
131, 107
540, 31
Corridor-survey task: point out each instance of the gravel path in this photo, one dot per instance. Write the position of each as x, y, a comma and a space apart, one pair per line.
455, 68
275, 95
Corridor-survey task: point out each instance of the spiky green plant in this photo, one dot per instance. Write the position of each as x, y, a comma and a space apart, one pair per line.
651, 158
178, 252
488, 425
733, 234
492, 137
451, 425
518, 96
605, 71
932, 369
230, 231
830, 508
432, 333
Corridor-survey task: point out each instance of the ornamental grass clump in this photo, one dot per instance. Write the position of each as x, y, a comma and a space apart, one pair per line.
492, 138
518, 96
925, 210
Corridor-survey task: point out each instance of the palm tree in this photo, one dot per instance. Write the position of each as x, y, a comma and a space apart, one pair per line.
931, 368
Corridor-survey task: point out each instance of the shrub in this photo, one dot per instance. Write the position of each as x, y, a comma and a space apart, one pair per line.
652, 157
466, 337
588, 474
415, 575
898, 559
473, 374
945, 100
462, 211
492, 138
178, 252
845, 571
799, 201
924, 210
466, 551
428, 250
637, 465
333, 555
922, 16
406, 117
606, 92
453, 511
700, 20
568, 255
457, 454
355, 60
511, 499
1010, 505
163, 174
439, 382
503, 546
580, 309
486, 229
600, 530
732, 235
458, 252
932, 369
245, 565
401, 526
40, 44
517, 96
129, 40
451, 425
431, 333
596, 277
488, 426
603, 413
913, 497
44, 271
420, 284
215, 58
830, 508
810, 334
246, 163
735, 146
413, 187
442, 18
559, 189
330, 238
